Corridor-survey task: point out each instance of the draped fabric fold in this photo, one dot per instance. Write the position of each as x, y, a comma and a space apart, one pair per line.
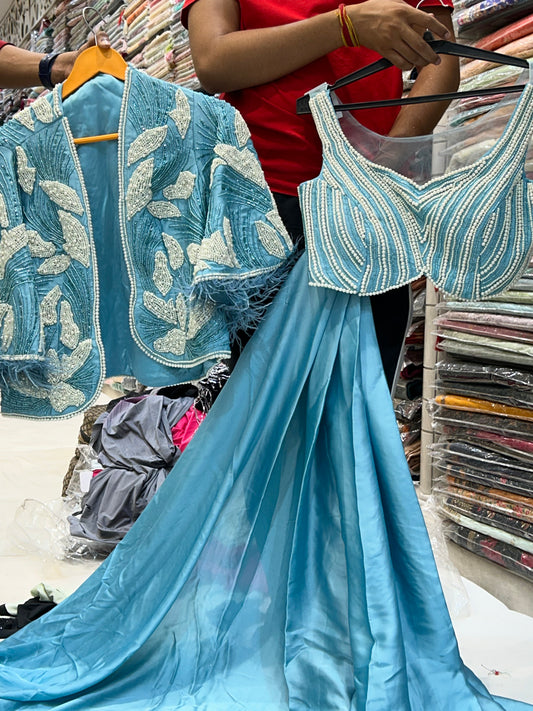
283, 565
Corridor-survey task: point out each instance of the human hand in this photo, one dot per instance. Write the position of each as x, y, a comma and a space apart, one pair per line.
62, 66
394, 30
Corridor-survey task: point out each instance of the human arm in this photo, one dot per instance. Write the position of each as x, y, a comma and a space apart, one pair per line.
227, 58
19, 68
421, 119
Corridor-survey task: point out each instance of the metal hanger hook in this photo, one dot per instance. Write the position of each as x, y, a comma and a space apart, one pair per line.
91, 29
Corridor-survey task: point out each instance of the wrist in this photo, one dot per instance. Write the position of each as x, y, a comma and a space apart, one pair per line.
46, 64
62, 66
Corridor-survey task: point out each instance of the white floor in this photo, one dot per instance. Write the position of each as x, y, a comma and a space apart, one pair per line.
495, 642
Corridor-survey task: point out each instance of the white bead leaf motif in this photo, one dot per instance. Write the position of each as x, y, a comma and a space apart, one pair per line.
270, 240
242, 132
49, 306
25, 174
181, 115
217, 249
139, 192
162, 276
7, 325
11, 242
181, 310
37, 246
63, 195
64, 395
163, 210
55, 265
25, 118
174, 251
60, 396
54, 375
243, 161
274, 218
4, 217
214, 165
182, 188
192, 252
173, 342
70, 364
147, 142
43, 110
164, 310
70, 332
200, 314
76, 242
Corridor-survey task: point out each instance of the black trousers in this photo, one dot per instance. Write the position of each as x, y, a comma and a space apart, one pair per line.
391, 310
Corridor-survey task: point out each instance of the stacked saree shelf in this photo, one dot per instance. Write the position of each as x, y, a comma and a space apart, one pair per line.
157, 42
408, 390
148, 33
483, 407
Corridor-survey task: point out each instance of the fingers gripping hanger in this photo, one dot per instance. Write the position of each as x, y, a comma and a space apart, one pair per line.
91, 62
439, 47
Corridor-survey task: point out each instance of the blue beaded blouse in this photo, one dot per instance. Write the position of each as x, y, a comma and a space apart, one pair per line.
370, 229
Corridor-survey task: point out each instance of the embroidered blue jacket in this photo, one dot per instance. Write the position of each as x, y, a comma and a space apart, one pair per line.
139, 256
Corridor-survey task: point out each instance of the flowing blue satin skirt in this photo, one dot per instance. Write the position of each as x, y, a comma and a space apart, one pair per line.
283, 565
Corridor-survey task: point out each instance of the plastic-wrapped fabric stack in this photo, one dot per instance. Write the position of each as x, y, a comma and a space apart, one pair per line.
159, 39
484, 421
408, 390
136, 18
483, 408
180, 56
61, 28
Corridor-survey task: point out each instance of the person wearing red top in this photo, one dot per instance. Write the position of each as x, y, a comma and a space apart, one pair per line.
264, 54
21, 69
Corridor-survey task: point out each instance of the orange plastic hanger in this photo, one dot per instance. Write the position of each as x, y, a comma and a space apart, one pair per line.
91, 62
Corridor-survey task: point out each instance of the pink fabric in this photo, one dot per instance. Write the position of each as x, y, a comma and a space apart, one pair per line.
184, 429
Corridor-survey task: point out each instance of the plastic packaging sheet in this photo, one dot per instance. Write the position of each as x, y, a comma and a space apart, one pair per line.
42, 528
453, 586
491, 548
495, 513
448, 421
493, 307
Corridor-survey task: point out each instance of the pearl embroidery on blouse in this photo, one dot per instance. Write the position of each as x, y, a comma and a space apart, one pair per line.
242, 132
55, 265
25, 117
49, 306
70, 332
146, 143
139, 192
162, 277
26, 174
163, 210
76, 241
181, 115
164, 310
4, 218
182, 188
270, 240
176, 257
63, 195
7, 322
470, 242
43, 110
243, 161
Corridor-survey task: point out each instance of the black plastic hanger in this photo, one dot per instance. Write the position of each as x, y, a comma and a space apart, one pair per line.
438, 46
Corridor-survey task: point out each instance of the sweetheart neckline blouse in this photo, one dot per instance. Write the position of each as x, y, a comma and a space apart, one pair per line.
370, 229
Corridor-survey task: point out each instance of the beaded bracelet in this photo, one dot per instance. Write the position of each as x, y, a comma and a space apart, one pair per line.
348, 33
